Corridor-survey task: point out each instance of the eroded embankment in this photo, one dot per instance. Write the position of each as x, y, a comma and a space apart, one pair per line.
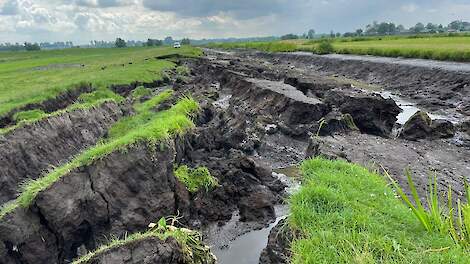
29, 151
254, 116
431, 87
61, 101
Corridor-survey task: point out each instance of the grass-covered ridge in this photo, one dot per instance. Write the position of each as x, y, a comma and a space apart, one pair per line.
447, 48
194, 251
153, 128
195, 179
85, 101
347, 214
32, 77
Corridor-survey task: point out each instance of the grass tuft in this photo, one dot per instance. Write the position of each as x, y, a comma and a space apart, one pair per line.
140, 92
194, 251
35, 114
195, 179
436, 218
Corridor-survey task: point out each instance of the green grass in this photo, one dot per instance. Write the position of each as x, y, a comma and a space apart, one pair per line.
85, 101
194, 251
155, 129
29, 115
195, 179
32, 77
140, 92
345, 214
440, 47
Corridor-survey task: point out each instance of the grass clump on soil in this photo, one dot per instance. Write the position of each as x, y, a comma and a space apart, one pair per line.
32, 77
435, 217
140, 92
154, 129
195, 179
344, 213
194, 251
35, 114
85, 101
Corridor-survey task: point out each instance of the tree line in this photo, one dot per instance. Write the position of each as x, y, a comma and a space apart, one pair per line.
390, 28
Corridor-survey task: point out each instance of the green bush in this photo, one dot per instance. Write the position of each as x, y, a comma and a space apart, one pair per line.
325, 47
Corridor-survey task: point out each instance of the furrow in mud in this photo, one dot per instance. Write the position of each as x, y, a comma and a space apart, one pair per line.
31, 150
61, 101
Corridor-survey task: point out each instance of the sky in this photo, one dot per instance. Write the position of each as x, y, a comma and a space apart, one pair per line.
83, 20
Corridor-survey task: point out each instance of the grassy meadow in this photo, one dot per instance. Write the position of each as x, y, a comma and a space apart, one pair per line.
344, 212
31, 77
447, 48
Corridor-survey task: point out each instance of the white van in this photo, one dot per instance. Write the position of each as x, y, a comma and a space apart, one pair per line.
177, 45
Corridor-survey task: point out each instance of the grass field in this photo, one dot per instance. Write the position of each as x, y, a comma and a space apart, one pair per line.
345, 213
31, 77
451, 48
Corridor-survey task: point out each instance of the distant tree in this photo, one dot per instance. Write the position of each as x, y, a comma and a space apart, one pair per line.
432, 28
418, 28
349, 34
289, 36
332, 34
359, 32
338, 34
400, 28
168, 41
440, 28
455, 25
120, 43
372, 29
311, 34
153, 42
31, 46
186, 41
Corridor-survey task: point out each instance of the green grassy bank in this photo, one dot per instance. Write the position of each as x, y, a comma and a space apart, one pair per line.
345, 214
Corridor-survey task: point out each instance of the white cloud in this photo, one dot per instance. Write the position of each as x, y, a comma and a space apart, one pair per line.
410, 8
84, 20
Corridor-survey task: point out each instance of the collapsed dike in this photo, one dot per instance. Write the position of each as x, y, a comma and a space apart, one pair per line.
254, 117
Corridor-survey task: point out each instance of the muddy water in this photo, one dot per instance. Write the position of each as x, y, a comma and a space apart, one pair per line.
242, 243
409, 109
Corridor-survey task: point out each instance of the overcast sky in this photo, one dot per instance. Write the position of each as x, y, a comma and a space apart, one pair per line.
83, 20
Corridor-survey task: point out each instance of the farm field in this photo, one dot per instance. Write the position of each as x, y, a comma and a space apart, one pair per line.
32, 77
455, 48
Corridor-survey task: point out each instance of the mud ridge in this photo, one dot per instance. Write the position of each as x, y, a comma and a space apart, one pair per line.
29, 151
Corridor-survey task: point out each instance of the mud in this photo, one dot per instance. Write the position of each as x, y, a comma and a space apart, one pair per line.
150, 250
259, 112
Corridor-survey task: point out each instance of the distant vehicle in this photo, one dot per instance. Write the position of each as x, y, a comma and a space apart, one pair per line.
177, 45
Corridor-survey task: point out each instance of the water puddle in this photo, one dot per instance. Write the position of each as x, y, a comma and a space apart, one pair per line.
409, 109
242, 242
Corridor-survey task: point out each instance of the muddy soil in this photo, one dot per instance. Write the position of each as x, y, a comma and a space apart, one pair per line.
259, 112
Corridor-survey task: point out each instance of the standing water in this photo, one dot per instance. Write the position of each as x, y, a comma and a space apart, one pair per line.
242, 243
